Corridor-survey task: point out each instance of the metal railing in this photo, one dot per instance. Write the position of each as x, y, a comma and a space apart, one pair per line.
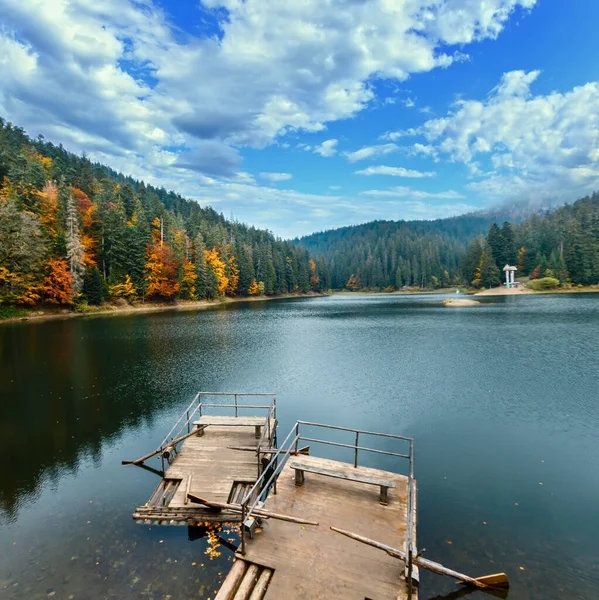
290, 444
199, 407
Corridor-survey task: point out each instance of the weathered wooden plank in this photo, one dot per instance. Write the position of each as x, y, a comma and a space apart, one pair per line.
341, 474
261, 585
232, 580
225, 421
247, 583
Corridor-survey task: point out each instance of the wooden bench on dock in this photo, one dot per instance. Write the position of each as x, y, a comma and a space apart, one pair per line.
225, 421
341, 471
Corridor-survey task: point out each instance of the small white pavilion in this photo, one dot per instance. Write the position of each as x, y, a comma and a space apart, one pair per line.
509, 276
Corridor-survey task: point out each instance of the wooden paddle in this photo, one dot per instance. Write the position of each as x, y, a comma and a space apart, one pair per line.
492, 582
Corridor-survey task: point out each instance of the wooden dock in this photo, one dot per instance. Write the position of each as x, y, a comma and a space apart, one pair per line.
229, 468
204, 463
316, 562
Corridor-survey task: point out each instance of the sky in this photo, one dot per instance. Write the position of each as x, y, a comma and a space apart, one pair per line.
304, 115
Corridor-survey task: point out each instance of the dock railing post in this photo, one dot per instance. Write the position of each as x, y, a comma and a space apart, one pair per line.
356, 450
235, 404
296, 436
188, 425
243, 527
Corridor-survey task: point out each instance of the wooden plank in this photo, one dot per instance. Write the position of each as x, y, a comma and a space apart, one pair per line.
292, 552
224, 421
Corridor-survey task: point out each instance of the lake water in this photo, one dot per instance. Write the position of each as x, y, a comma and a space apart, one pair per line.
500, 398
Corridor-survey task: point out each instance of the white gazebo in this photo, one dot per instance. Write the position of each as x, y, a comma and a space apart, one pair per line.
509, 276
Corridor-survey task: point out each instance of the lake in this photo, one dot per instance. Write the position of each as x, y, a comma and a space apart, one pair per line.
501, 400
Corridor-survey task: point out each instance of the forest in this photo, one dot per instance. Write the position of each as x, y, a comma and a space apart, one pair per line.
77, 233
471, 250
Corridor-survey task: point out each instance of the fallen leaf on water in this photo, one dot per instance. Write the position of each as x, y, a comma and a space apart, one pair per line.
515, 504
484, 522
193, 564
449, 542
540, 483
522, 568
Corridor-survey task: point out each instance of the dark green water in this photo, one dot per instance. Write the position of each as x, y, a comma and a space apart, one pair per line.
500, 399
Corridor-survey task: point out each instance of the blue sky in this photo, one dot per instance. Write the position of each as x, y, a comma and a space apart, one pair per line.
302, 115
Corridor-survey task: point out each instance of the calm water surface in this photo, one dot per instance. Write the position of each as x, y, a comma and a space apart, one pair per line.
500, 398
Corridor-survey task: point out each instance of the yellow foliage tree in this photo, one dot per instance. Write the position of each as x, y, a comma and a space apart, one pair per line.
189, 277
214, 261
125, 289
253, 290
233, 276
49, 209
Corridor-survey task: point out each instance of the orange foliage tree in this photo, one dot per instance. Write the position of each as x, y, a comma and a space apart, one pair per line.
214, 262
86, 210
57, 285
161, 271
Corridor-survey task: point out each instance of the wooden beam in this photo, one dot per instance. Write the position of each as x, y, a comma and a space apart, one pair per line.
231, 583
188, 488
261, 585
500, 580
305, 450
173, 443
256, 512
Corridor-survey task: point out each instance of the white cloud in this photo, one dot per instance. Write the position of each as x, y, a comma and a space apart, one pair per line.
518, 145
276, 176
370, 151
407, 192
327, 148
118, 71
118, 80
394, 172
334, 187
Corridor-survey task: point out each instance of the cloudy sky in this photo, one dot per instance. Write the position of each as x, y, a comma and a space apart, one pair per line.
301, 115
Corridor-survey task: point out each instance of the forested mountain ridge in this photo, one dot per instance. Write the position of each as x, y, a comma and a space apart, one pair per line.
471, 249
73, 231
383, 254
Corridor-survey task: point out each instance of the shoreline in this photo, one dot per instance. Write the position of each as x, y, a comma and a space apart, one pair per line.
39, 315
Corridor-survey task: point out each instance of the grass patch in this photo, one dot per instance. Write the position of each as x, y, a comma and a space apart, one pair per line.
12, 312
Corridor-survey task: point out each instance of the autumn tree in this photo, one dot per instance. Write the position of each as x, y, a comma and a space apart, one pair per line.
253, 290
57, 285
189, 277
125, 289
217, 266
161, 272
22, 250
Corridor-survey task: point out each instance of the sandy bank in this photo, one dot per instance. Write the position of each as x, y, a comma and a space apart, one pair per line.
459, 302
503, 291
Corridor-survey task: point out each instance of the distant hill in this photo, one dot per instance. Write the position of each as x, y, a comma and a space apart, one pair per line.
382, 254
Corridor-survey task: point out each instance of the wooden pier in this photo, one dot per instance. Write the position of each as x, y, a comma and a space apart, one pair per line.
227, 467
311, 528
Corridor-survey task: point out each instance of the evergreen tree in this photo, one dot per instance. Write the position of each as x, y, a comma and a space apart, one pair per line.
92, 287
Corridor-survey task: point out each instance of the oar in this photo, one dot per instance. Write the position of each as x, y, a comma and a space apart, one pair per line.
496, 581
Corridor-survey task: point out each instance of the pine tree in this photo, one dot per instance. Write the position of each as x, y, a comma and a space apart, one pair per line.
92, 287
